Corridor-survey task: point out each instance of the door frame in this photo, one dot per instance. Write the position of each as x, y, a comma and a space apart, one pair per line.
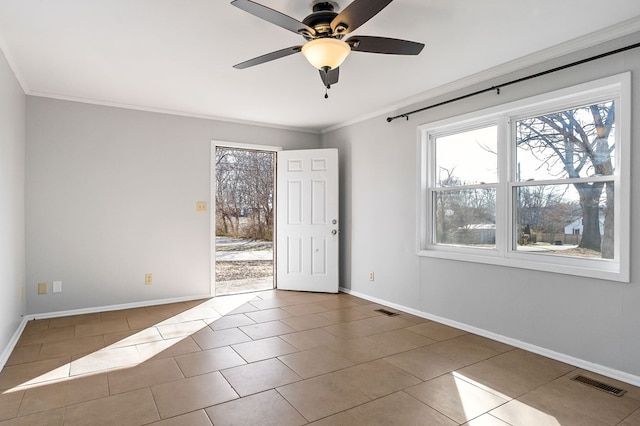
212, 210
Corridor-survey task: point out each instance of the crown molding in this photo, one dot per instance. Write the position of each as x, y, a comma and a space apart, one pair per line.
143, 108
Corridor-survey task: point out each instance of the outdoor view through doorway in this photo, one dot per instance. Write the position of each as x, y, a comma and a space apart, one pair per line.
244, 213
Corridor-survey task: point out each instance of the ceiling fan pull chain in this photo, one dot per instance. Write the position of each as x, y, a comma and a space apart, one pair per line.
325, 79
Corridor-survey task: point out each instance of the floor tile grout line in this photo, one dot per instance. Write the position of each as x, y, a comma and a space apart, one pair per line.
155, 402
488, 413
435, 409
21, 402
290, 404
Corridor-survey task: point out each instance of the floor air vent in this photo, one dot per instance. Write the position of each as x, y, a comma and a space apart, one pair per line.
387, 313
599, 385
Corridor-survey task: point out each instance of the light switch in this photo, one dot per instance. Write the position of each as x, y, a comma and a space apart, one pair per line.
57, 287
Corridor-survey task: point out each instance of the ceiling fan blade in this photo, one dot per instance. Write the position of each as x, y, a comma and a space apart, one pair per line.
268, 57
356, 14
390, 46
273, 16
330, 77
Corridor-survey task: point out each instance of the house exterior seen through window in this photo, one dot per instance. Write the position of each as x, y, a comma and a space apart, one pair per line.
541, 183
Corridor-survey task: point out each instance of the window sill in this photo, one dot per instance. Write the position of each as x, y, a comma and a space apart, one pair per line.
599, 269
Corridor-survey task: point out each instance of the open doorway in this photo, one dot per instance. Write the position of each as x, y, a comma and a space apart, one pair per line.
244, 219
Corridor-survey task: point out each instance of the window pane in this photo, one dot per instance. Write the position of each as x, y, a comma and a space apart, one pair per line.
467, 158
465, 217
573, 143
568, 220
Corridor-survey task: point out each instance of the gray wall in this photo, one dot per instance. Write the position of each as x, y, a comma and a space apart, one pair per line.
586, 319
111, 195
12, 170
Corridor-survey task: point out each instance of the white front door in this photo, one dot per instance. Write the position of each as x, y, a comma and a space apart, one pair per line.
307, 220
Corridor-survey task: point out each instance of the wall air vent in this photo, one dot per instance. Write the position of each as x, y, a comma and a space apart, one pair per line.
600, 386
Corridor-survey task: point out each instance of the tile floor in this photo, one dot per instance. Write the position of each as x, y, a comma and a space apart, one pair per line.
287, 358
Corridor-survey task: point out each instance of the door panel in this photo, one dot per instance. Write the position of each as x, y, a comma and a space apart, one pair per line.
307, 225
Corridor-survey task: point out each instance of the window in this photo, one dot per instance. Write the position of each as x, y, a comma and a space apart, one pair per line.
541, 183
464, 196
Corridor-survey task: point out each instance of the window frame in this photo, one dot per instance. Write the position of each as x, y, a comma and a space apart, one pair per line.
616, 87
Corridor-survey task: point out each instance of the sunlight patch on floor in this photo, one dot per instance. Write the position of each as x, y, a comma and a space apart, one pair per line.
471, 403
157, 338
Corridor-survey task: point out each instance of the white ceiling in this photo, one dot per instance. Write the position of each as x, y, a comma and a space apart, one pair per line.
177, 55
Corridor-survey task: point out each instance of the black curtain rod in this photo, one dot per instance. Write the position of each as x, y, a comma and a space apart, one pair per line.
518, 80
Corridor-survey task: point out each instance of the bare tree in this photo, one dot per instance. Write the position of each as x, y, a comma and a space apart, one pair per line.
460, 212
576, 143
244, 188
545, 210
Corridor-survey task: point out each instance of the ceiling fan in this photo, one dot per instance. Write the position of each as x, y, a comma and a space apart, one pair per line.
324, 29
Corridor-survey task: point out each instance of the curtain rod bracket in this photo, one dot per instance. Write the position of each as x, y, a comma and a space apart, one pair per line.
390, 119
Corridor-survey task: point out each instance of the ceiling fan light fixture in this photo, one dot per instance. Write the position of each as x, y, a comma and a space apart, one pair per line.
326, 52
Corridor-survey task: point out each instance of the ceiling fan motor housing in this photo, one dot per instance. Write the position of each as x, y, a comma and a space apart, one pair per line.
320, 20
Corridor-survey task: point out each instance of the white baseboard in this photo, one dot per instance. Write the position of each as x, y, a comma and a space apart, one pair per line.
567, 359
26, 318
119, 307
4, 356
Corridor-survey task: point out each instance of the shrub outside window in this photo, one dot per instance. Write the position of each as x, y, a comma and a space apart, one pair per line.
541, 183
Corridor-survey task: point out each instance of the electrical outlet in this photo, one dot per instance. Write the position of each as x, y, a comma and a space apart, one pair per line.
148, 279
56, 287
371, 276
201, 206
42, 288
